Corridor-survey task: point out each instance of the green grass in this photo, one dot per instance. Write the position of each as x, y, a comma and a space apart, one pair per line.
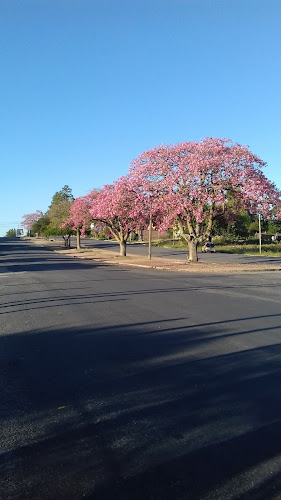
169, 244
268, 249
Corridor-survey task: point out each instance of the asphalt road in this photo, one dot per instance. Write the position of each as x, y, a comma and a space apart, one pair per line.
175, 253
137, 384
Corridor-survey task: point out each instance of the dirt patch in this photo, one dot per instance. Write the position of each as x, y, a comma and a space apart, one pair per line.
111, 258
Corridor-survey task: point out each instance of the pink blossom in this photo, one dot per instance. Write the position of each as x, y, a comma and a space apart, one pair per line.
193, 181
30, 219
121, 209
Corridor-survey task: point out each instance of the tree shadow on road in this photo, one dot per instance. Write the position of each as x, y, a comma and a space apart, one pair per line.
139, 411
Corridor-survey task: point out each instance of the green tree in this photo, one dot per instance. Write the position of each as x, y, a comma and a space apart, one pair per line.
220, 225
65, 194
242, 224
42, 226
59, 211
274, 227
254, 228
11, 233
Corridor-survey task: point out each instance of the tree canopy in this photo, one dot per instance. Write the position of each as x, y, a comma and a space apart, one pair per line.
79, 217
194, 181
121, 209
28, 220
59, 211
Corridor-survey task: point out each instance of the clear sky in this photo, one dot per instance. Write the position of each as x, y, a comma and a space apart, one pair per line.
88, 85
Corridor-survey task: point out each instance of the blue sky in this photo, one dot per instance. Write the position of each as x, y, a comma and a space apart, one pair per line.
88, 85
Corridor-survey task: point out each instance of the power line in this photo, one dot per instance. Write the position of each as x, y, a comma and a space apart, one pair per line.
7, 223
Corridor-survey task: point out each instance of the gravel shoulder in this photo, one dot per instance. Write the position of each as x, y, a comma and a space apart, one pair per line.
161, 263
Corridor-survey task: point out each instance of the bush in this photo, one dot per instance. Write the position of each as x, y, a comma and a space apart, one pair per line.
253, 228
11, 233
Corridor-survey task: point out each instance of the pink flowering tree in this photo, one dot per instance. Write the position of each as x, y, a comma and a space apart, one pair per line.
148, 189
28, 220
79, 218
195, 180
120, 207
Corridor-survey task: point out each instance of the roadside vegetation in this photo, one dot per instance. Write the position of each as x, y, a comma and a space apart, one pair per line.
267, 250
11, 233
248, 247
197, 190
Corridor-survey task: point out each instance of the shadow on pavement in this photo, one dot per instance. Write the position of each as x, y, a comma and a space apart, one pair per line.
135, 412
35, 259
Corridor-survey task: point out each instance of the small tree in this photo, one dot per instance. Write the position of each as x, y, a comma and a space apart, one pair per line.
41, 226
29, 220
196, 180
120, 208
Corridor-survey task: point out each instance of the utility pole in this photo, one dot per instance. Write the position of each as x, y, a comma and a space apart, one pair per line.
150, 232
260, 232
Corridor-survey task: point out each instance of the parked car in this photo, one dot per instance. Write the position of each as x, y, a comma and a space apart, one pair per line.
208, 247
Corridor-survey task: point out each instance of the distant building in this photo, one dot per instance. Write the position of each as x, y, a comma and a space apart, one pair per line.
155, 235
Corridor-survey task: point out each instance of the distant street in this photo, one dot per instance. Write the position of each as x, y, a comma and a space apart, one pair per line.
173, 253
137, 384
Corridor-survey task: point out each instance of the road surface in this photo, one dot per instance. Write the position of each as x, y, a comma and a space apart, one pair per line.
175, 253
137, 384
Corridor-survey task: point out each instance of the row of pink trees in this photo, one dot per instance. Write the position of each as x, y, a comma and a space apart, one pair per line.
188, 184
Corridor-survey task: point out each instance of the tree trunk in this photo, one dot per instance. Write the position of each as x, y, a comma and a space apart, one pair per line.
78, 246
123, 249
192, 251
67, 241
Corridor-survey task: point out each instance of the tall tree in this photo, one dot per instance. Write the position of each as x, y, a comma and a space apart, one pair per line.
65, 194
195, 180
59, 212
